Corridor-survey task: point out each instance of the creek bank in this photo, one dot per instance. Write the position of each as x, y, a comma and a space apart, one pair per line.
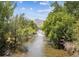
23, 49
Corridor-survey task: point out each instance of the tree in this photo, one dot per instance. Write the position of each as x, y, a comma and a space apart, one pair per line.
72, 7
56, 6
57, 26
13, 30
20, 28
75, 33
6, 11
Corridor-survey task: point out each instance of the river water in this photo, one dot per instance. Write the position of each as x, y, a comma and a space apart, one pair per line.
35, 49
39, 48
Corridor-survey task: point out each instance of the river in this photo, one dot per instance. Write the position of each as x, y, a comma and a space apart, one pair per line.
35, 49
39, 47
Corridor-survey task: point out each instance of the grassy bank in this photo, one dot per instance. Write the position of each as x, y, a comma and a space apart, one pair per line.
52, 52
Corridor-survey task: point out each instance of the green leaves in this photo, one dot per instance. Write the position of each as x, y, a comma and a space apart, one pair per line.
23, 27
6, 11
72, 7
57, 25
75, 32
57, 6
63, 21
13, 30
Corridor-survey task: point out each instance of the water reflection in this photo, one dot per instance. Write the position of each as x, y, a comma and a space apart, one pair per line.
36, 48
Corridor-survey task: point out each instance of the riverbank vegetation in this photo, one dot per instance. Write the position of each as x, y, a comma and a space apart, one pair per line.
52, 52
61, 25
13, 30
61, 29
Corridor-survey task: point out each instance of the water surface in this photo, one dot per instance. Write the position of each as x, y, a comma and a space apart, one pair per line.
36, 48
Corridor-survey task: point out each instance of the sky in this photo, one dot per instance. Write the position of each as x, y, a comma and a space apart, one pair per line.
33, 9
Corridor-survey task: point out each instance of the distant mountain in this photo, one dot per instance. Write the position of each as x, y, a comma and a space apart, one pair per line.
38, 21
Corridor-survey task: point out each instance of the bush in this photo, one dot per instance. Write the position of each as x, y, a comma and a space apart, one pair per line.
57, 25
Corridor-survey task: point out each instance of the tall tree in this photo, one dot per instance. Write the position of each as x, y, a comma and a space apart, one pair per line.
56, 5
59, 24
72, 7
6, 11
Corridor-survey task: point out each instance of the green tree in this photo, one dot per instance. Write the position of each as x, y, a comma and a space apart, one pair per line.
6, 11
20, 30
72, 7
56, 6
57, 26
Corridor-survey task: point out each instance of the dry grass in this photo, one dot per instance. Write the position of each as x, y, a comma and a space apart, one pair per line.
51, 52
19, 54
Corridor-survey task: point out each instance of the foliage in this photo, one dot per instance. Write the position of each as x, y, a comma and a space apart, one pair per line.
20, 29
6, 11
56, 5
59, 24
75, 33
72, 7
13, 30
